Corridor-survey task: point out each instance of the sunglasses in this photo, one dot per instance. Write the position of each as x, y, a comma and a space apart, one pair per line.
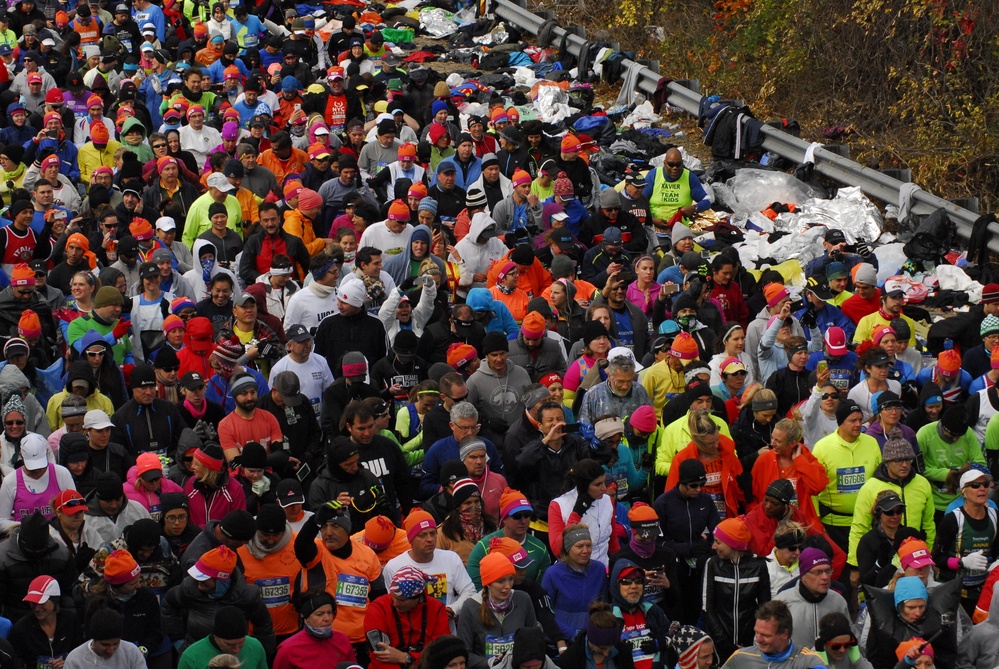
13, 422
679, 164
611, 209
893, 512
159, 146
841, 646
522, 515
695, 486
974, 485
112, 226
632, 581
796, 548
95, 354
830, 396
169, 370
73, 503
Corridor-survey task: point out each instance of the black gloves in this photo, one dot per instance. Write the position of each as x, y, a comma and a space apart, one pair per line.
583, 503
809, 318
329, 511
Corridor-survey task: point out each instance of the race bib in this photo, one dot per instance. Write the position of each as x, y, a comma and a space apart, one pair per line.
635, 638
45, 661
719, 501
849, 480
352, 590
498, 645
275, 591
154, 511
622, 484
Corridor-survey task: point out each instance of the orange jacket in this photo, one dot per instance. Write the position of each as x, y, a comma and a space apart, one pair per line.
281, 168
275, 574
398, 546
349, 583
585, 291
810, 479
731, 469
516, 302
762, 527
533, 281
297, 224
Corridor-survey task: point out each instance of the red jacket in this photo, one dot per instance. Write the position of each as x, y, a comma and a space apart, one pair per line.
733, 303
857, 307
302, 650
762, 527
198, 345
382, 616
731, 469
810, 479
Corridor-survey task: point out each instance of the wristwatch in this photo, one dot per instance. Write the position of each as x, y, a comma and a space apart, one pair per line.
409, 660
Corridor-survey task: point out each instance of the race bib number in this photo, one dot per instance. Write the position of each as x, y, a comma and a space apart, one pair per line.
498, 645
635, 638
622, 484
719, 501
849, 480
275, 591
352, 590
154, 511
45, 661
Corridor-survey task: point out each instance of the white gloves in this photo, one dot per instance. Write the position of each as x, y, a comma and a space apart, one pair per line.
976, 560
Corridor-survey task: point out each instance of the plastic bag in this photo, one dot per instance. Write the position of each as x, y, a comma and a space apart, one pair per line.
398, 35
524, 76
438, 22
497, 35
552, 104
642, 116
890, 260
754, 190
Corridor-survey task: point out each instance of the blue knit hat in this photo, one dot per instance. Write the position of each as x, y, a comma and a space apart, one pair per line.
428, 204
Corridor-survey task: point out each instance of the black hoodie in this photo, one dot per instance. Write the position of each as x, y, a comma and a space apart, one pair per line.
918, 418
363, 487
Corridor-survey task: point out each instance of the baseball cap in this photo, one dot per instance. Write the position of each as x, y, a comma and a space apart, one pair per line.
96, 419
42, 589
192, 381
288, 387
243, 299
622, 351
836, 341
289, 491
34, 451
298, 332
219, 181
69, 501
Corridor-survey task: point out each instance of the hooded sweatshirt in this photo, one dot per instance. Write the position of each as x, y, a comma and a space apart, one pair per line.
642, 622
142, 150
100, 528
499, 398
197, 347
12, 380
95, 399
195, 278
475, 257
480, 299
980, 648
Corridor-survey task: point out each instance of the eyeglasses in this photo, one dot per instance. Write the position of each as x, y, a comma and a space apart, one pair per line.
679, 164
522, 515
841, 646
974, 485
632, 581
611, 209
891, 408
13, 422
174, 519
95, 354
795, 548
893, 512
695, 486
110, 226
159, 146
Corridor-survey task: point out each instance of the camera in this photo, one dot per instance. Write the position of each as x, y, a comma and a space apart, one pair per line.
797, 304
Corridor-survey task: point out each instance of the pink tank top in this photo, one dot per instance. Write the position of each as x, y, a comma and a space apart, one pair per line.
27, 502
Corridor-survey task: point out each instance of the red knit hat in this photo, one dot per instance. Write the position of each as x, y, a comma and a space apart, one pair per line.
120, 567
309, 199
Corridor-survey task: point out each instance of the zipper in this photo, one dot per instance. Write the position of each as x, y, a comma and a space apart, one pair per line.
735, 608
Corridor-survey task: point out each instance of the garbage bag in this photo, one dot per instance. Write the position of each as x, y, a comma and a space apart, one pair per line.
552, 104
934, 238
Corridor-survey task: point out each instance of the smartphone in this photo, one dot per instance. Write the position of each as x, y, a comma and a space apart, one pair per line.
303, 471
670, 288
822, 367
571, 428
706, 254
375, 637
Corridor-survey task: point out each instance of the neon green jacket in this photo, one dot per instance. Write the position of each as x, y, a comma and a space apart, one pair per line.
848, 466
939, 458
916, 494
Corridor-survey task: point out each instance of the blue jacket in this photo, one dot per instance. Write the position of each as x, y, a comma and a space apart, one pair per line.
576, 212
217, 389
629, 479
446, 449
13, 134
480, 299
461, 180
571, 592
151, 98
65, 149
217, 69
828, 317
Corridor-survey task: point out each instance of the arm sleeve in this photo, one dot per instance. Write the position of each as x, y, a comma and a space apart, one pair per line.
698, 194
462, 585
555, 528
712, 623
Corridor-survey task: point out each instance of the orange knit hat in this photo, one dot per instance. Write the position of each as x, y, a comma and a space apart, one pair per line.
642, 513
216, 563
684, 347
534, 326
398, 211
141, 229
733, 533
29, 326
513, 549
99, 133
378, 533
418, 521
120, 567
495, 566
22, 275
570, 144
419, 189
513, 501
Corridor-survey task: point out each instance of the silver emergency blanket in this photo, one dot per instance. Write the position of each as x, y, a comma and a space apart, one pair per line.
552, 104
438, 22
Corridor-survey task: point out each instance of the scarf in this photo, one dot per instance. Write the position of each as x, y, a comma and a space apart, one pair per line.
499, 608
196, 413
506, 290
320, 290
257, 550
471, 526
644, 549
375, 287
207, 264
15, 175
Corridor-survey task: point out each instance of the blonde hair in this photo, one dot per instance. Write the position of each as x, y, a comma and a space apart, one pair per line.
791, 428
701, 425
224, 661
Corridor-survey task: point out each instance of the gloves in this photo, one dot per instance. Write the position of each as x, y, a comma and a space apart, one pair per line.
976, 560
205, 431
328, 512
864, 249
809, 318
647, 462
649, 647
583, 504
702, 271
121, 328
408, 284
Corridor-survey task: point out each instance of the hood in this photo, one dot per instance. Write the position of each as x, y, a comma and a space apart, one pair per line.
259, 293
196, 253
109, 276
131, 123
881, 473
425, 235
81, 370
93, 337
198, 335
615, 592
72, 443
909, 587
12, 380
480, 299
930, 389
479, 224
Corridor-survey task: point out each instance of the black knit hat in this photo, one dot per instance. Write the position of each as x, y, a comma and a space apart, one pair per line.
594, 330
230, 623
493, 342
781, 490
443, 650
253, 456
341, 450
238, 525
109, 486
451, 471
33, 536
271, 519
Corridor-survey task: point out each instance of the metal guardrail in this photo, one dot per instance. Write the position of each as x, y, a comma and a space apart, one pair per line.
829, 162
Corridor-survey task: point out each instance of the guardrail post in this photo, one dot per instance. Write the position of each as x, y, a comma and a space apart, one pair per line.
839, 149
969, 203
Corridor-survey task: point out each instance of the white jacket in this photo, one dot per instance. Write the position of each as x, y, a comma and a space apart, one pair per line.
476, 258
599, 518
421, 313
195, 282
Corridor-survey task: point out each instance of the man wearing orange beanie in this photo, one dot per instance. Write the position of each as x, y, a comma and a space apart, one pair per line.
383, 537
392, 235
98, 151
515, 521
534, 351
452, 586
79, 258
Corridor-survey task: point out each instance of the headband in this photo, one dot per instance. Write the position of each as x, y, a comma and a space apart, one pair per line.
790, 539
283, 271
428, 392
764, 405
570, 539
732, 328
322, 270
634, 265
310, 605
